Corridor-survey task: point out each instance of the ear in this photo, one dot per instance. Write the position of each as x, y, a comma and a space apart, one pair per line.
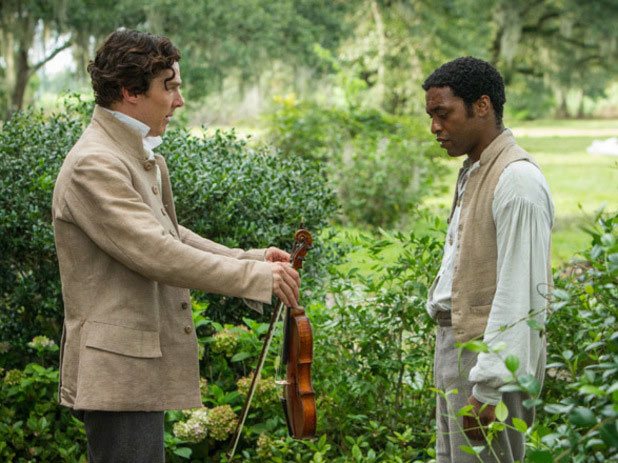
129, 97
483, 106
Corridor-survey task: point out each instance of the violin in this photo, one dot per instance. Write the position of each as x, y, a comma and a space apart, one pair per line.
298, 397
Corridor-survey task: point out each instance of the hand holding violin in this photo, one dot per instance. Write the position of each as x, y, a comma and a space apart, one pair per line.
286, 283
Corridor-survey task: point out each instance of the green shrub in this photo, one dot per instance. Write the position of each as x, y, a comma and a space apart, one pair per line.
32, 148
224, 190
381, 164
578, 421
32, 425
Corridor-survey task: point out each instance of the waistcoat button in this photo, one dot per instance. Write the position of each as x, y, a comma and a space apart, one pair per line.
184, 306
187, 329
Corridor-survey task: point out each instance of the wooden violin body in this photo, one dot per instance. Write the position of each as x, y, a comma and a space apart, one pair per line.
298, 398
298, 395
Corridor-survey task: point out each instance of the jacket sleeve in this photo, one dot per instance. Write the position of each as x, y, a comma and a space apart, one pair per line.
204, 244
102, 201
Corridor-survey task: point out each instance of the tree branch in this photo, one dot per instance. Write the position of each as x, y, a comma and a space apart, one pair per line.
45, 60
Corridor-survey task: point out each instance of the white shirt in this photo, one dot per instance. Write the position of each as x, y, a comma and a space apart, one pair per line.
523, 213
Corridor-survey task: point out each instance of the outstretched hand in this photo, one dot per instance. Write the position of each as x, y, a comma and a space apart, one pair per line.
483, 414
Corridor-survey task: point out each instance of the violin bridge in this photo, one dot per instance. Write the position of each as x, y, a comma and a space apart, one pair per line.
282, 382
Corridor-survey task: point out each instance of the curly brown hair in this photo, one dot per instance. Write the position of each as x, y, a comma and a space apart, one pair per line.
129, 59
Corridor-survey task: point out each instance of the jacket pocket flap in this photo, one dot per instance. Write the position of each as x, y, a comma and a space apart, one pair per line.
123, 340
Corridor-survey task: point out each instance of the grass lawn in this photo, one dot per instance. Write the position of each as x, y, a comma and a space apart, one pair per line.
580, 183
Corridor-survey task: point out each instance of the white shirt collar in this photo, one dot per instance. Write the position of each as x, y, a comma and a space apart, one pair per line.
150, 143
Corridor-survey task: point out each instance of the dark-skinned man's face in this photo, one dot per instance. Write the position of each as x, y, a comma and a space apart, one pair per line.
456, 128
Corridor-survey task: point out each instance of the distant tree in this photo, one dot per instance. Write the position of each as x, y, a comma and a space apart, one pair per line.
244, 38
63, 23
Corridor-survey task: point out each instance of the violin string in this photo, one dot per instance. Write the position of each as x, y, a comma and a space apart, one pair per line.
278, 362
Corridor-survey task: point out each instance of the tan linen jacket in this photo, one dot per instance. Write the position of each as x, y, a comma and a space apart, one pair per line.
128, 342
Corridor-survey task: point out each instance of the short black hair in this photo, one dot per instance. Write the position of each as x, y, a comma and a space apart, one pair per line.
470, 78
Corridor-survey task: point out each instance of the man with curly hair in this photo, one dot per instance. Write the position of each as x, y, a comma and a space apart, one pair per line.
495, 272
129, 348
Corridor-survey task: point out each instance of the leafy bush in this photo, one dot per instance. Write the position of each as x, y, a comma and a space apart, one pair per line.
32, 425
224, 190
32, 148
579, 418
382, 165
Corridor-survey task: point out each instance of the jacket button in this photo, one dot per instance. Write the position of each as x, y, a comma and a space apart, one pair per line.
187, 329
155, 190
147, 165
184, 306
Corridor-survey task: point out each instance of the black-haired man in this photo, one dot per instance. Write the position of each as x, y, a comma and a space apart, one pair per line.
495, 271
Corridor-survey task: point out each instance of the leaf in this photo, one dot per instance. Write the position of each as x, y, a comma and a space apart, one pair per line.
502, 412
561, 294
356, 453
582, 417
535, 325
558, 409
530, 384
465, 411
183, 452
471, 450
540, 456
609, 434
590, 389
240, 356
512, 363
475, 346
520, 425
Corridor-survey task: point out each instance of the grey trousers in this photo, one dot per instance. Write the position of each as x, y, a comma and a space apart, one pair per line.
123, 437
451, 372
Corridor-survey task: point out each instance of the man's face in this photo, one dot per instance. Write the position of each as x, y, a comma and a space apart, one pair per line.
457, 131
156, 106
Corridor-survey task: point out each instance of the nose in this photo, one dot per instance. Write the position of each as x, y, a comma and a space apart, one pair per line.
436, 128
179, 101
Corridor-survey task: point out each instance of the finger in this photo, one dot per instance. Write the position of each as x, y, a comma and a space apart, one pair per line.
281, 296
289, 296
292, 279
294, 274
280, 255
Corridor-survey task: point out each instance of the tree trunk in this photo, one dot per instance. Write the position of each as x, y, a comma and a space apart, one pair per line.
380, 85
21, 80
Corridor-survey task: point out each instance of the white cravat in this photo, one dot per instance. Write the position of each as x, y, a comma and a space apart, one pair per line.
150, 143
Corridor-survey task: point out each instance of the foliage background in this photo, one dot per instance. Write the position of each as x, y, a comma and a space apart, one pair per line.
332, 92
